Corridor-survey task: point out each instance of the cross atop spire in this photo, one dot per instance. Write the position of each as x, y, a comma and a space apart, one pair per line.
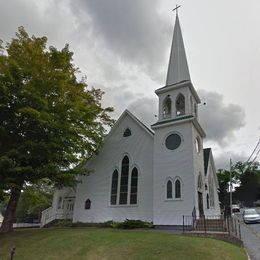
176, 9
178, 70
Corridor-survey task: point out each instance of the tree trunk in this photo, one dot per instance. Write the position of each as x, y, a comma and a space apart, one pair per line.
9, 215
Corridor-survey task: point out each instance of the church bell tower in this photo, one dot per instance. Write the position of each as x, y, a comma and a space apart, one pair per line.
178, 143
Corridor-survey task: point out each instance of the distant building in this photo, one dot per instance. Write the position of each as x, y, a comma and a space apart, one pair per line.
157, 174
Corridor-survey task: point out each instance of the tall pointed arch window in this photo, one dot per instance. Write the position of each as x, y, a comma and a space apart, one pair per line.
180, 105
211, 192
196, 109
114, 187
167, 107
134, 184
191, 104
169, 189
207, 201
177, 189
124, 181
200, 183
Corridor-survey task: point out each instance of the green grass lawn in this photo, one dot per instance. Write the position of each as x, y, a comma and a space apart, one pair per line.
97, 243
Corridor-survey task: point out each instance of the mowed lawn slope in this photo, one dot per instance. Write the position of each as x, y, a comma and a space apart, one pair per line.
97, 243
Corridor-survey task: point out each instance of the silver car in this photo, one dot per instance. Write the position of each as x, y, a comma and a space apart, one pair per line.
251, 216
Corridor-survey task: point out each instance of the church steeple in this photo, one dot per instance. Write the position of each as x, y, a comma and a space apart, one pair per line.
178, 70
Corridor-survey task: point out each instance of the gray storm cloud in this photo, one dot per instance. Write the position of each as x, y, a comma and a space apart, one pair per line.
223, 161
220, 120
145, 109
134, 31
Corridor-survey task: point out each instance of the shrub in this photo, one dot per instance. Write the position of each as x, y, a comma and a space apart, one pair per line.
62, 223
131, 224
127, 224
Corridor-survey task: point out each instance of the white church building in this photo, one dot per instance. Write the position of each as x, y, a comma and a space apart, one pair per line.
156, 175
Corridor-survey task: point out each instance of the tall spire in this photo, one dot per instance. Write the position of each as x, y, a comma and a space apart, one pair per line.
178, 70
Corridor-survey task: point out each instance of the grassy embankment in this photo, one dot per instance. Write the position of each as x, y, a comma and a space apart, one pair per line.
97, 243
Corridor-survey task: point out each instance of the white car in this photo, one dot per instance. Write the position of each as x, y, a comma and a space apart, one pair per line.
251, 216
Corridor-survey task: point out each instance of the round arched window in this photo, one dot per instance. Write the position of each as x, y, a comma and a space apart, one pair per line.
197, 144
173, 141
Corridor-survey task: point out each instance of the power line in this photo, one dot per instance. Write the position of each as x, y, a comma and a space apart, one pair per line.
253, 151
256, 155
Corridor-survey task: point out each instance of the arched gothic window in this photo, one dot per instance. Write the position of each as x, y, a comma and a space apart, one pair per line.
200, 183
211, 193
169, 189
124, 181
207, 201
114, 185
127, 132
134, 184
177, 189
195, 109
180, 105
167, 107
198, 144
87, 204
191, 104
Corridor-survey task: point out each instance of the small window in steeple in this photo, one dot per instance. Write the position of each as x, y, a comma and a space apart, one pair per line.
127, 132
196, 109
167, 107
180, 105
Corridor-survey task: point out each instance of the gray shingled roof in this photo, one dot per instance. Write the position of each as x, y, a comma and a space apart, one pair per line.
173, 120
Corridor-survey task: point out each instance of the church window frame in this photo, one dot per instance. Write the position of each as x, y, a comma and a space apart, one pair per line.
169, 189
124, 181
114, 187
200, 182
131, 199
198, 145
170, 134
207, 201
180, 103
196, 109
211, 192
177, 189
191, 104
167, 107
127, 132
172, 182
87, 204
134, 181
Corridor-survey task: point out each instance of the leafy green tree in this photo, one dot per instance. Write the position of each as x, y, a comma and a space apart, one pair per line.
247, 177
49, 120
34, 199
249, 189
223, 179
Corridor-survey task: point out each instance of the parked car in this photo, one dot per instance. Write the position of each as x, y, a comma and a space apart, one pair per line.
235, 209
251, 216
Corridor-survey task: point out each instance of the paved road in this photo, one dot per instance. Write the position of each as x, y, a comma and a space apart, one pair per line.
251, 237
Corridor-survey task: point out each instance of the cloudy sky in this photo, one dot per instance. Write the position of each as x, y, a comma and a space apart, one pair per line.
123, 46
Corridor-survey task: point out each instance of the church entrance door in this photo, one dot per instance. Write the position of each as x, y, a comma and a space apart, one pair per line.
200, 201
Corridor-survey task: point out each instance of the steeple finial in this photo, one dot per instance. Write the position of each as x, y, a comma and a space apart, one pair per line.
178, 70
176, 9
